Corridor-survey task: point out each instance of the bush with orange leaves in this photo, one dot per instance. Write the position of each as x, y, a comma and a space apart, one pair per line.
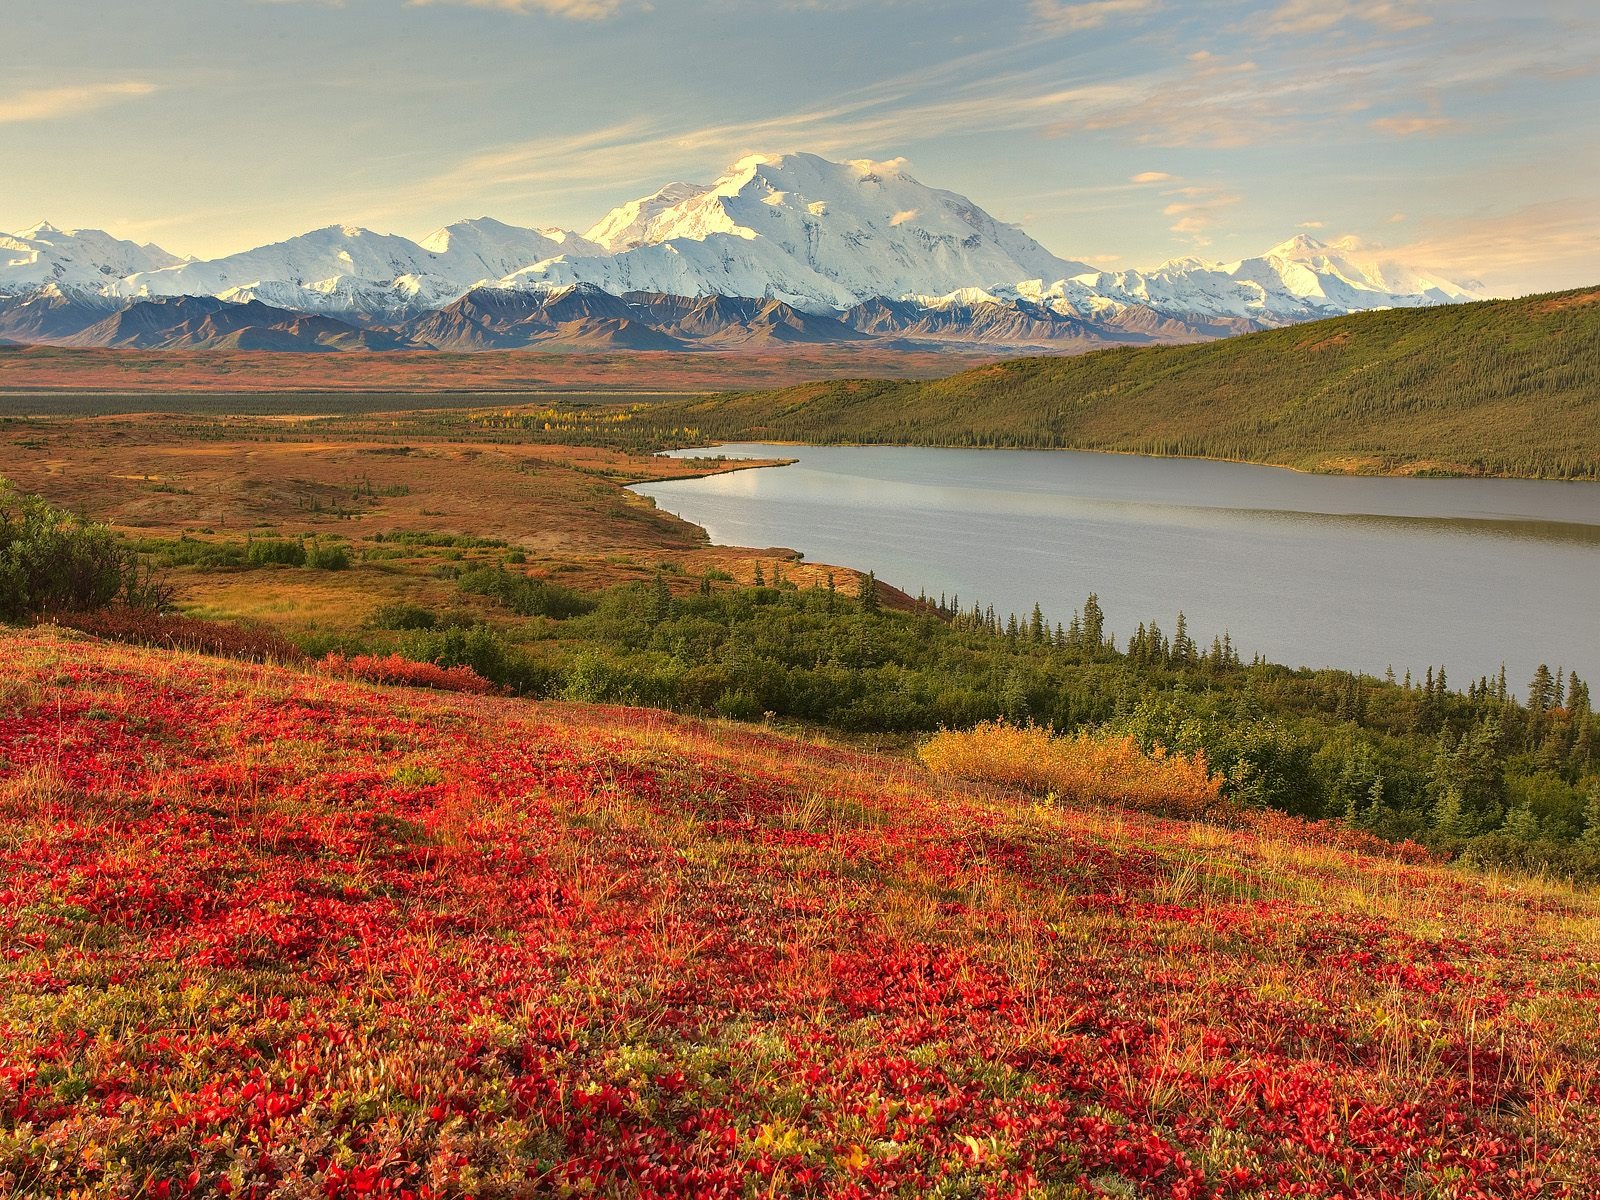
1080, 768
403, 672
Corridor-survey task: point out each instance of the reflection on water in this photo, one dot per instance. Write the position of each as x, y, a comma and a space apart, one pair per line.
1365, 573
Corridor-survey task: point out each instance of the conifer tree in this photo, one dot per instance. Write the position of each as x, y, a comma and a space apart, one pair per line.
1591, 817
1094, 622
660, 600
1522, 824
869, 593
1182, 646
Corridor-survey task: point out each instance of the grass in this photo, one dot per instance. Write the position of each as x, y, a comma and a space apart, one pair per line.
271, 933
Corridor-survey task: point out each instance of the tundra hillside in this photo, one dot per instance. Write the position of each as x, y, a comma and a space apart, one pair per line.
1504, 387
270, 933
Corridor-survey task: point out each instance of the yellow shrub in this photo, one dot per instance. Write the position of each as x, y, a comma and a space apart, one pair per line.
1082, 768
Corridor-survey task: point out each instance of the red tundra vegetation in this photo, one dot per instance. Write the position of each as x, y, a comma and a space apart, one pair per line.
393, 669
270, 933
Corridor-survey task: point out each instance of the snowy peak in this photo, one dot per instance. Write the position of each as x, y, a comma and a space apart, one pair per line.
82, 258
1348, 263
333, 252
817, 234
625, 227
1297, 280
1299, 246
470, 252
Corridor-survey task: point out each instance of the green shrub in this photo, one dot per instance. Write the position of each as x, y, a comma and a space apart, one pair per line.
284, 552
738, 706
186, 551
327, 558
524, 596
51, 561
401, 615
480, 648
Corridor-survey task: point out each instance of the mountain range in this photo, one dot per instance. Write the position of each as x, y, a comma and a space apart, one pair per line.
781, 249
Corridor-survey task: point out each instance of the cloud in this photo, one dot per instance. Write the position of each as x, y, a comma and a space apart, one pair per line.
47, 104
1197, 211
900, 218
1059, 16
961, 96
1411, 126
577, 10
1151, 177
1312, 225
889, 166
1538, 247
1320, 16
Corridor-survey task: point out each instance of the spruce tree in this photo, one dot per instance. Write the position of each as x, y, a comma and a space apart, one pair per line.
1449, 816
869, 593
1590, 837
1094, 623
1522, 824
660, 600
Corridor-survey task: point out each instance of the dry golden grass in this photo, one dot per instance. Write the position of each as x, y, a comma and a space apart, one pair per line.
1076, 769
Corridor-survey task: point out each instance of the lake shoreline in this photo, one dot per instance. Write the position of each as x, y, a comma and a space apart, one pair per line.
1310, 568
1242, 462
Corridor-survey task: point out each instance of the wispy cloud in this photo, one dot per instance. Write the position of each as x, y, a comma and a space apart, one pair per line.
578, 10
1513, 251
48, 104
1197, 210
1320, 16
1062, 16
1412, 126
1150, 177
642, 150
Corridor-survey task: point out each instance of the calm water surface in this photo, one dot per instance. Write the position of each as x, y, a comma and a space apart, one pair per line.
1307, 569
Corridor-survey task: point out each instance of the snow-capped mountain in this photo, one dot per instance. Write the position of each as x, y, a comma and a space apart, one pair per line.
317, 262
1298, 280
862, 246
77, 258
489, 249
816, 234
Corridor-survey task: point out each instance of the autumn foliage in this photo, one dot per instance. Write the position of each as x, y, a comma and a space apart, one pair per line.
1080, 768
172, 631
393, 669
268, 934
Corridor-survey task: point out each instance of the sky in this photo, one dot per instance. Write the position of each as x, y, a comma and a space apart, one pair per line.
1459, 135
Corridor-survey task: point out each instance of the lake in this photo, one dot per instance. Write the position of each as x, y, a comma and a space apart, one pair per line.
1312, 570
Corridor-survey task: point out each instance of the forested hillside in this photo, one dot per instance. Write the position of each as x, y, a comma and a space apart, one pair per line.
1508, 387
